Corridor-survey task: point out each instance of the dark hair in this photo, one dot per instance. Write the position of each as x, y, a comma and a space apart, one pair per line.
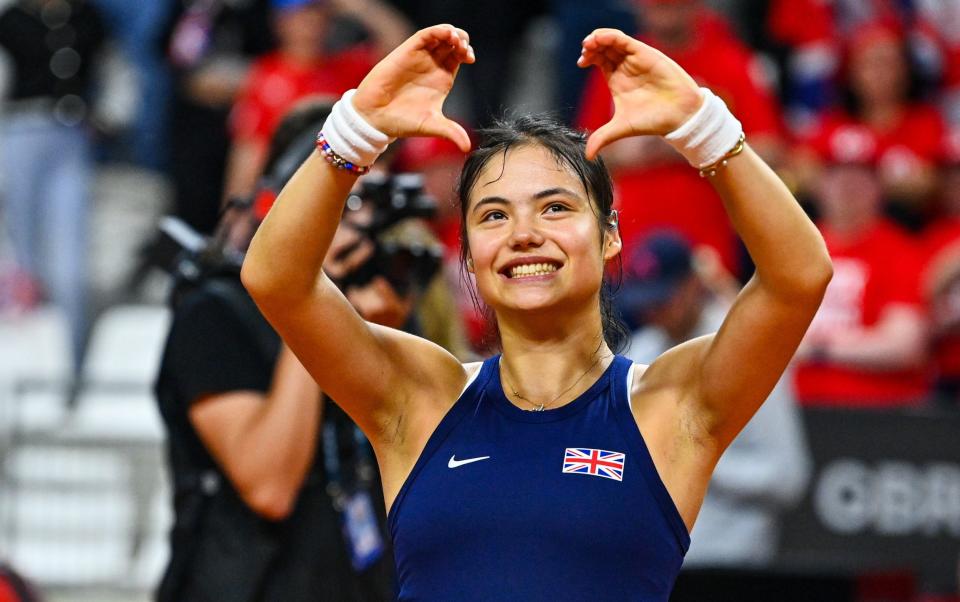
304, 119
568, 147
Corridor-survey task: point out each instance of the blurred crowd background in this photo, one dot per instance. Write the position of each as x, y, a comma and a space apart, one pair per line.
119, 117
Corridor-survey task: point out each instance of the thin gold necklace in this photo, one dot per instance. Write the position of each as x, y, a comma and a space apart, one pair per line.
539, 407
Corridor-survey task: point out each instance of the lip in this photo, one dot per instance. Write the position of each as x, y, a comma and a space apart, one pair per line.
504, 270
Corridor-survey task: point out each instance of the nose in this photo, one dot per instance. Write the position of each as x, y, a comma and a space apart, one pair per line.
525, 234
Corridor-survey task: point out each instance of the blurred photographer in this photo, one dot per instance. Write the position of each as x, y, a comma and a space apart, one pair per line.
276, 493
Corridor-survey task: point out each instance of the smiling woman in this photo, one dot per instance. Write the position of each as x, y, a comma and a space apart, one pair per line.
582, 188
556, 470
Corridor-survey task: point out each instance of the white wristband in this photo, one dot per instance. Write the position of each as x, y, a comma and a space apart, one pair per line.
350, 136
709, 134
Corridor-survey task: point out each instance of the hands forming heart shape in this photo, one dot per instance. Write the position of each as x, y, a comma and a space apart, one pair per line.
403, 95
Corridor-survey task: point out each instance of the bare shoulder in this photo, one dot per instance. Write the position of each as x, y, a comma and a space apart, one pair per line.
664, 398
429, 379
430, 369
679, 365
404, 440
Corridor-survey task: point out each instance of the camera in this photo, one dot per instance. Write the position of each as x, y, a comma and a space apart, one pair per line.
405, 253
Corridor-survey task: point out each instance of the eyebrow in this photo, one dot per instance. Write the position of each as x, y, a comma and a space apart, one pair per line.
499, 200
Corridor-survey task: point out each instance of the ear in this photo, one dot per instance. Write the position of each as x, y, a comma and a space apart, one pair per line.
469, 264
612, 245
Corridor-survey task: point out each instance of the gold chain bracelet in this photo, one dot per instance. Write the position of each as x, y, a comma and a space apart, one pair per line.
711, 170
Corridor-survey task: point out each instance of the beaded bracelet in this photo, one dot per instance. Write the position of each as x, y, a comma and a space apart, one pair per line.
336, 160
711, 170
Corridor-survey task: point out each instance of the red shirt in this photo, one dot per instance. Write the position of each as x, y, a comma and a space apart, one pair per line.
275, 84
917, 138
939, 235
799, 22
946, 346
673, 195
871, 274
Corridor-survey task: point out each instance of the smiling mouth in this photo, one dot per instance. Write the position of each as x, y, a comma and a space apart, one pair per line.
531, 269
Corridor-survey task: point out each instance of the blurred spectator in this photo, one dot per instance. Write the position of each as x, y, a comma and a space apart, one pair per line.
647, 172
882, 95
765, 470
303, 65
209, 45
439, 162
941, 277
46, 149
138, 28
943, 293
276, 497
867, 344
576, 19
809, 32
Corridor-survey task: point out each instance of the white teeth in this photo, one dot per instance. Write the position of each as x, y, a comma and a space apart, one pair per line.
532, 269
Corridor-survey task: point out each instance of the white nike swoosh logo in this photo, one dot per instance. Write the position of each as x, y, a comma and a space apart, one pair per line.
454, 463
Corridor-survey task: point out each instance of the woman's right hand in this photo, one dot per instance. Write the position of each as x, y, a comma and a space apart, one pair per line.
403, 94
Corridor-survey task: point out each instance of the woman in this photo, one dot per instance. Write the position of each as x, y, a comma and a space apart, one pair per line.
882, 103
490, 500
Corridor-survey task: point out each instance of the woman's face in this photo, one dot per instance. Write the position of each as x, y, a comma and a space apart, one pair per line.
878, 72
849, 194
303, 28
533, 236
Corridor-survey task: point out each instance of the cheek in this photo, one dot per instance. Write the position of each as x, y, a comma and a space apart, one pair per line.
482, 248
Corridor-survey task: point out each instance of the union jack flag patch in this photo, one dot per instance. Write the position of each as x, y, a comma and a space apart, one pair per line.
594, 462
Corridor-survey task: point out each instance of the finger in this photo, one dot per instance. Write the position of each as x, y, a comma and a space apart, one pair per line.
463, 35
612, 53
603, 136
456, 134
433, 36
595, 58
465, 49
452, 61
442, 127
443, 41
462, 53
606, 37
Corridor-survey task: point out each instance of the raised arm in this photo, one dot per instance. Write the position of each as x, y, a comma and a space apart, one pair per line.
371, 371
723, 378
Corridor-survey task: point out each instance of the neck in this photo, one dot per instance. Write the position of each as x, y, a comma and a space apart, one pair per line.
302, 55
551, 361
882, 115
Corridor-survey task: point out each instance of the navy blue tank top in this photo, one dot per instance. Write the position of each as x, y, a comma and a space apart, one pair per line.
564, 504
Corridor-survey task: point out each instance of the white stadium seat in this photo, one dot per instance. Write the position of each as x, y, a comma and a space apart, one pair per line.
126, 344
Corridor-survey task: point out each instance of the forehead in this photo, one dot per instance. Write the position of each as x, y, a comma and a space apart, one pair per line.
522, 172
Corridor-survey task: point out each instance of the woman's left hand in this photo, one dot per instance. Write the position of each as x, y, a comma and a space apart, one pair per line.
652, 95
